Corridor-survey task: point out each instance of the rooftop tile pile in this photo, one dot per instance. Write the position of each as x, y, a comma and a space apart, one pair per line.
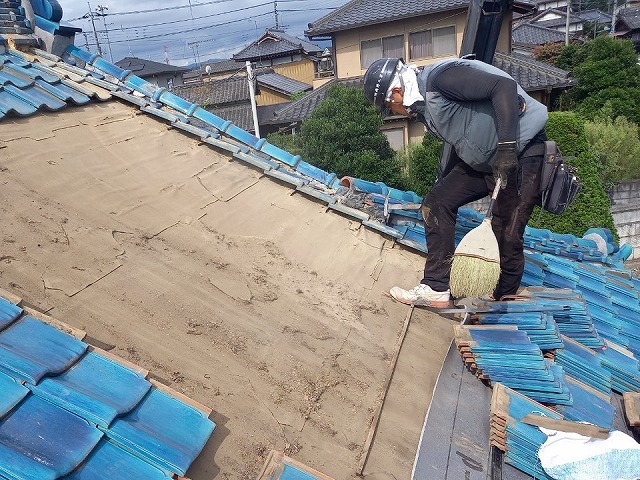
572, 379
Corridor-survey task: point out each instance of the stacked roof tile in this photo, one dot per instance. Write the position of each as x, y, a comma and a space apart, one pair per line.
69, 410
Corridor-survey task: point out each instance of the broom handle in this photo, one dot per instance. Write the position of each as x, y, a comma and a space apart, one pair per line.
494, 195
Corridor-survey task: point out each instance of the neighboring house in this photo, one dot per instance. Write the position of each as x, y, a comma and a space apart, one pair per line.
229, 98
551, 4
420, 32
556, 19
288, 56
628, 25
160, 74
213, 71
526, 37
276, 88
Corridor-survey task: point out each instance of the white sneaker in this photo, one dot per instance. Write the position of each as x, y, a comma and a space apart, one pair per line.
422, 295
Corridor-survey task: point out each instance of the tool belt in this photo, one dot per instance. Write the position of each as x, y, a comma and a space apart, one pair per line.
559, 183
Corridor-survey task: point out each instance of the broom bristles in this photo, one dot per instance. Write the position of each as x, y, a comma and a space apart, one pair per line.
472, 276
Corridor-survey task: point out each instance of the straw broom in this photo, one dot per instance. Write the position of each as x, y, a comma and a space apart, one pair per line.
475, 267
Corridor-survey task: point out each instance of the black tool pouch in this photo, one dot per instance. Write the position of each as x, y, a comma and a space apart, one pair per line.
559, 183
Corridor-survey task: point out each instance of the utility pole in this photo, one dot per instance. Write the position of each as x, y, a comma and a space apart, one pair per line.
566, 26
612, 32
252, 95
101, 9
275, 12
95, 34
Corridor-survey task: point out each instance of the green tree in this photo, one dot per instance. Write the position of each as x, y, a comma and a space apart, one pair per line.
419, 162
592, 207
288, 142
342, 135
548, 52
617, 147
607, 76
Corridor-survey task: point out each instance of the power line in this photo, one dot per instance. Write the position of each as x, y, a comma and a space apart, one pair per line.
164, 34
197, 18
177, 7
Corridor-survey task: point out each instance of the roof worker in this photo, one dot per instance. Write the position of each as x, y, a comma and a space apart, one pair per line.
496, 131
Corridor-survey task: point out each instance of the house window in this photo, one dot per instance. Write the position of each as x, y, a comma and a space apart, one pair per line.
432, 43
395, 137
372, 50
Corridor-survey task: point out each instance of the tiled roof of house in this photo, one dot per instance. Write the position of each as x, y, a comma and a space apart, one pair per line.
561, 21
147, 68
233, 90
359, 13
282, 84
629, 17
531, 34
217, 92
595, 15
276, 43
529, 73
223, 66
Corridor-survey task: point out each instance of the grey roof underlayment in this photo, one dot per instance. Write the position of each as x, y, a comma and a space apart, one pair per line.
529, 73
630, 17
146, 68
531, 34
276, 43
359, 13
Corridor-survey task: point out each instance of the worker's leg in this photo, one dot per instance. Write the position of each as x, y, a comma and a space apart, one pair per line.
439, 211
511, 213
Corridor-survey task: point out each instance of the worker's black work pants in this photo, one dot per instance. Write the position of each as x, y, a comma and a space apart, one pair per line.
511, 213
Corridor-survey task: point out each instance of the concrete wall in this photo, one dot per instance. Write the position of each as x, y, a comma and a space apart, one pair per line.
626, 214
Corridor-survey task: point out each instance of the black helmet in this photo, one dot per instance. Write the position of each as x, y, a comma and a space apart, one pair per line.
378, 78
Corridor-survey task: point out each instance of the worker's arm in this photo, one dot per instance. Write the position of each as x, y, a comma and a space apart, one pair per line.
467, 84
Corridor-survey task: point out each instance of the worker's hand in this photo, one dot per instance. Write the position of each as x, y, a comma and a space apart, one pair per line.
505, 162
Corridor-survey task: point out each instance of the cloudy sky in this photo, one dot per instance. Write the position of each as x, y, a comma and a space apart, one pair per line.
186, 31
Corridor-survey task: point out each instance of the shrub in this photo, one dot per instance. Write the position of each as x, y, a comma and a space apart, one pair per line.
617, 147
342, 135
419, 162
290, 143
607, 77
592, 207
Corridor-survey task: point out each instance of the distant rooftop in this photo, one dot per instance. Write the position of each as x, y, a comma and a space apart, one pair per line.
215, 68
630, 17
360, 13
147, 68
532, 34
276, 43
